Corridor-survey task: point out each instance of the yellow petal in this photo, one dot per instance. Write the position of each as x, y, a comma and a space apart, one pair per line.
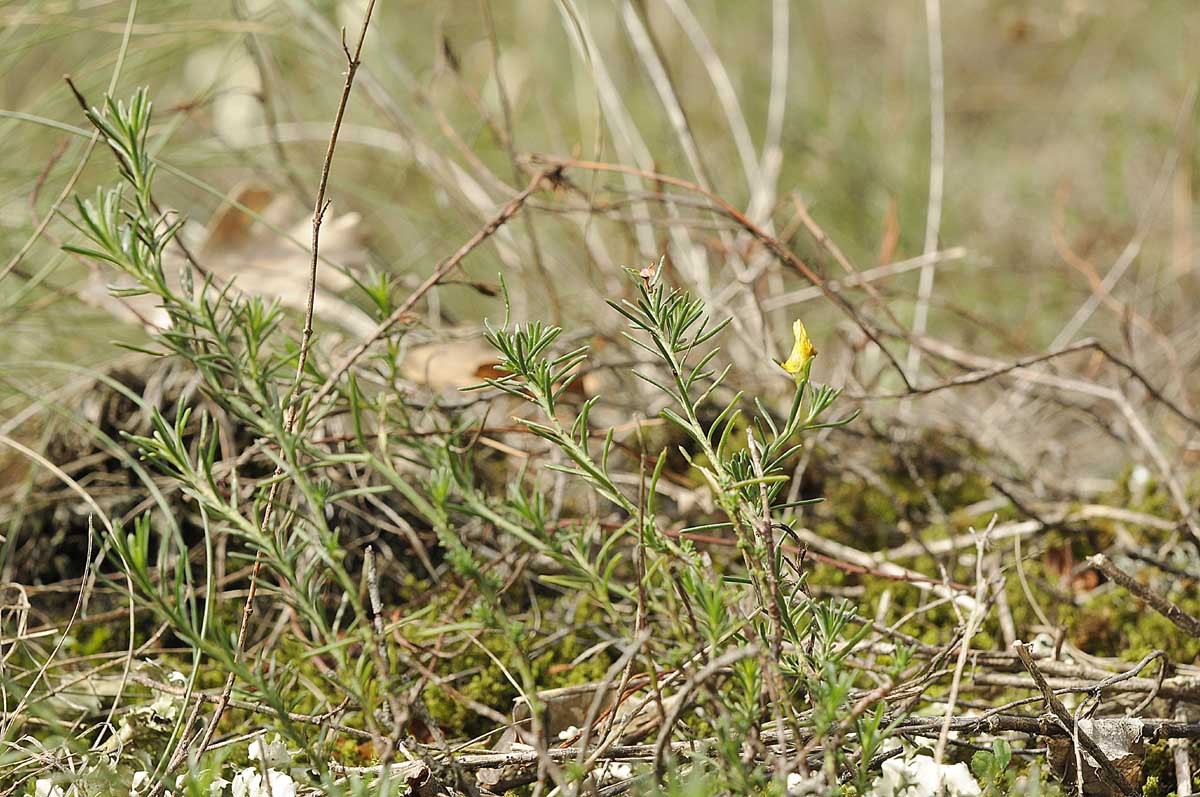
803, 352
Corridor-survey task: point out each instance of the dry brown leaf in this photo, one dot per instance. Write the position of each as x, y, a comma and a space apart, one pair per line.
235, 246
450, 365
456, 364
1119, 738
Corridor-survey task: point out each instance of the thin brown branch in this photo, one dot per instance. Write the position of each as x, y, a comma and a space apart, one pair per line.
985, 374
442, 269
1184, 621
773, 244
322, 720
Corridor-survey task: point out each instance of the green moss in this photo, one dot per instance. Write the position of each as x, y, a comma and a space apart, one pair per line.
96, 641
1114, 623
351, 753
896, 489
1158, 771
486, 683
486, 686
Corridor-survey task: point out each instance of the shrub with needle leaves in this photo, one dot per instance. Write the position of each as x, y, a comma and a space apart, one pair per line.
754, 662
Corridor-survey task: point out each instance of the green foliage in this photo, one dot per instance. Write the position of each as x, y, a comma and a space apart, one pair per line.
994, 769
485, 563
1112, 622
1158, 771
744, 465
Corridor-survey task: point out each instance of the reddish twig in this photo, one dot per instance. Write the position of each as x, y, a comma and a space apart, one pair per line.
773, 244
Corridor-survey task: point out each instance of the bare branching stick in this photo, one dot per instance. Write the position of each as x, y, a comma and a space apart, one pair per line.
772, 244
1011, 402
319, 207
974, 619
1056, 707
999, 369
863, 278
855, 277
1136, 426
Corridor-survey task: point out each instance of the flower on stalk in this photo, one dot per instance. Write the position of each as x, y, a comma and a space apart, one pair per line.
799, 362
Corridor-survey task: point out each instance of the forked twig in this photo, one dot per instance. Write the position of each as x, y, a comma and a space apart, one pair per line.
772, 244
442, 269
1056, 707
984, 374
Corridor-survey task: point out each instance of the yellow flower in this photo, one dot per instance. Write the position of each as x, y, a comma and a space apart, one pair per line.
803, 353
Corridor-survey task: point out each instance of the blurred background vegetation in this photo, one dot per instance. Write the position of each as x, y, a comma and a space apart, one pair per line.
1054, 111
1069, 151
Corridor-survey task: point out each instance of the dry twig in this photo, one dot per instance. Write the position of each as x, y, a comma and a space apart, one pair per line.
1063, 716
1172, 612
